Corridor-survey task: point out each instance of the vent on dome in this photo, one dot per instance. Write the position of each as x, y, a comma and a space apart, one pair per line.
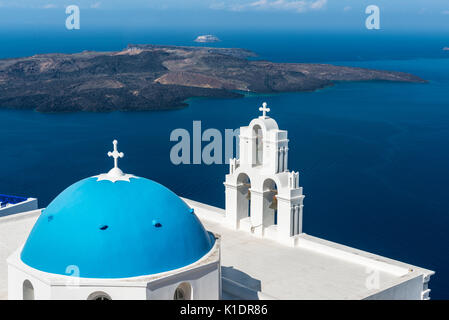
157, 224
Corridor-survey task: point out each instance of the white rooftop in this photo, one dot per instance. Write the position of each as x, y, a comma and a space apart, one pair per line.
256, 268
313, 269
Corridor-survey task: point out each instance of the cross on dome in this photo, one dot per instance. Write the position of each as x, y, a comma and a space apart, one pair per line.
115, 154
115, 174
264, 110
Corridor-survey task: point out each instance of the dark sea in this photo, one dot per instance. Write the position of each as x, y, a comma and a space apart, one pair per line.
373, 157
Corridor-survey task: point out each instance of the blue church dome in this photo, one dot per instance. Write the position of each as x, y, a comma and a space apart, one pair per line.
116, 230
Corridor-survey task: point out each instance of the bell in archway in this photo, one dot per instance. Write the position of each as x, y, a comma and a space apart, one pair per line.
248, 195
274, 203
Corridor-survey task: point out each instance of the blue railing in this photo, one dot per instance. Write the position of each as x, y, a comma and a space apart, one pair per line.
4, 200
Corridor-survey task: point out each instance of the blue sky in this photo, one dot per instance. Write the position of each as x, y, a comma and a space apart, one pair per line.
261, 14
300, 6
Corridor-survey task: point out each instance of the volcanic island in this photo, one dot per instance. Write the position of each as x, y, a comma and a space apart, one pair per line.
157, 77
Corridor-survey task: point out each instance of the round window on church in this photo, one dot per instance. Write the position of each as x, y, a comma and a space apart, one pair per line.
99, 296
183, 292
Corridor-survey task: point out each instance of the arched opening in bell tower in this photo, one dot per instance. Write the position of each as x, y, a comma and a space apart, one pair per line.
243, 196
258, 148
270, 203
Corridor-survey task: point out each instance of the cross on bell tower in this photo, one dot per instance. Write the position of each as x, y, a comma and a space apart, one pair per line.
264, 110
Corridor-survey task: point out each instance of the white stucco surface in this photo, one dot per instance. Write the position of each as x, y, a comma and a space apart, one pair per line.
14, 230
313, 269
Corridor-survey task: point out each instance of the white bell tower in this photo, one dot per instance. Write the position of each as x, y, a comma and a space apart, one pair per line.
262, 196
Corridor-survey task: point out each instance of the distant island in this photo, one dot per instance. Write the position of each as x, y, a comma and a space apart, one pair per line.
207, 38
446, 49
154, 77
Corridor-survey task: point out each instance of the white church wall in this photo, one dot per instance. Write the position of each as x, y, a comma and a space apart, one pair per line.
57, 287
204, 276
16, 279
205, 283
411, 289
84, 292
